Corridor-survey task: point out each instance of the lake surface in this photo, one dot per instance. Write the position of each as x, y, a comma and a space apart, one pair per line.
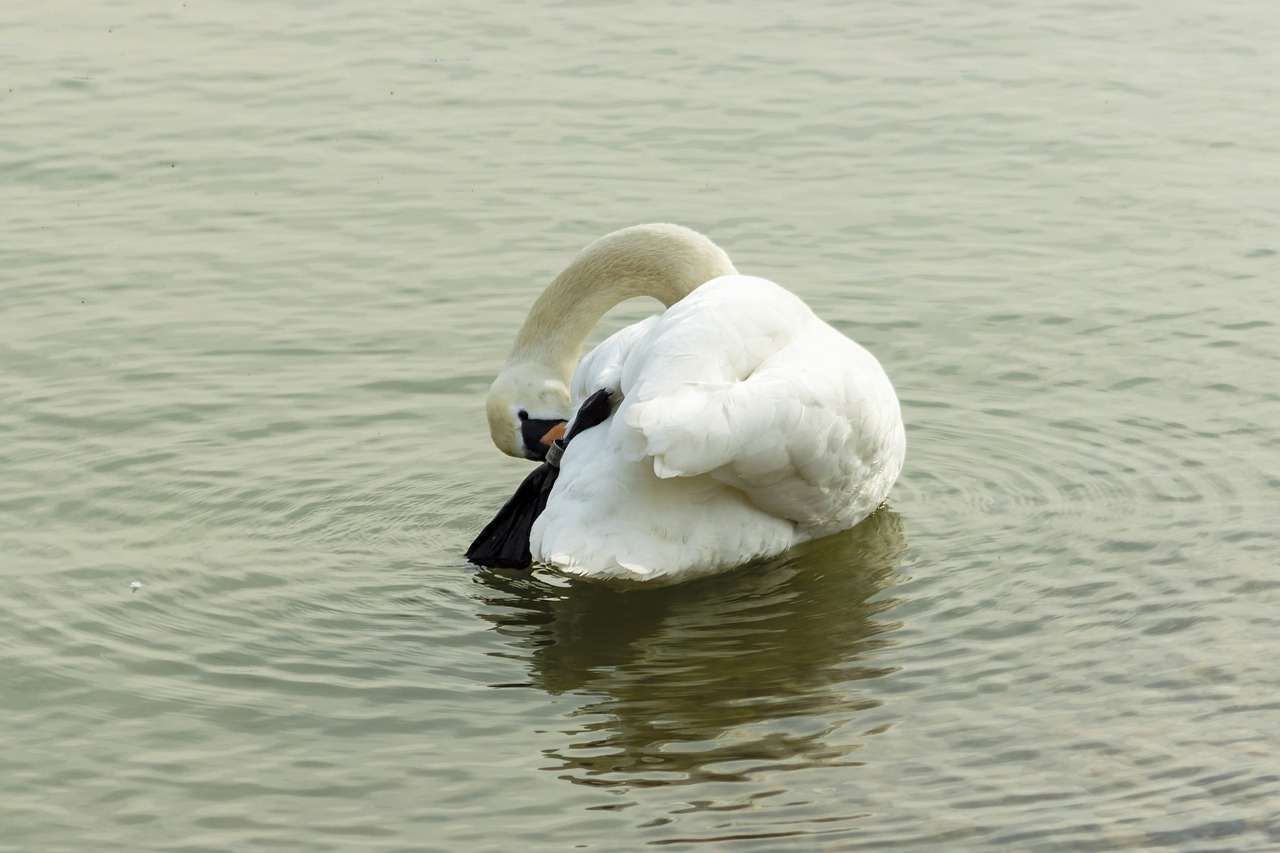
260, 262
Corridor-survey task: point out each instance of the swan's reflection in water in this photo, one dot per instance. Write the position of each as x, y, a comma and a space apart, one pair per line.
717, 679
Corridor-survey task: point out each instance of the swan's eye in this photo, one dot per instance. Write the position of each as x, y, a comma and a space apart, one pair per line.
522, 415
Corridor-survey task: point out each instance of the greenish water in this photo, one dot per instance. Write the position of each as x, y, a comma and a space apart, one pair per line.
259, 262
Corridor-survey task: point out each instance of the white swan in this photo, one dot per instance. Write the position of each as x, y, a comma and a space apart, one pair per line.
743, 424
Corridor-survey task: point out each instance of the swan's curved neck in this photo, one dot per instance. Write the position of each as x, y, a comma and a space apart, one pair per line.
666, 262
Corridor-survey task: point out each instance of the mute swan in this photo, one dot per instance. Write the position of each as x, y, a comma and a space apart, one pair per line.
741, 423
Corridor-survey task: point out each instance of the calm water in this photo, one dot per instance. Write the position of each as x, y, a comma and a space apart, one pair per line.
259, 262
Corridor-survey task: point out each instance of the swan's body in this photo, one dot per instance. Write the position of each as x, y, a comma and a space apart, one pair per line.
743, 424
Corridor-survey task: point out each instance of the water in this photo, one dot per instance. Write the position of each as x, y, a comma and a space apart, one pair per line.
260, 262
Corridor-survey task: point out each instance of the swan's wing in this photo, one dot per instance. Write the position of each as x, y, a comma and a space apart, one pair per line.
744, 383
819, 436
602, 367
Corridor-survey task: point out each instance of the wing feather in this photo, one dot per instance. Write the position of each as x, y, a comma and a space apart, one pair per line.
741, 381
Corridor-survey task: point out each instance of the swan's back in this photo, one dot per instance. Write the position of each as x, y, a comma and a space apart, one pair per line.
746, 425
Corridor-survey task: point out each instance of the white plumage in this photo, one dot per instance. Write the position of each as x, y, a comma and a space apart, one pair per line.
743, 423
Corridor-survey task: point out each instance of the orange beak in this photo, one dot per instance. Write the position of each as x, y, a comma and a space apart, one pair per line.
552, 434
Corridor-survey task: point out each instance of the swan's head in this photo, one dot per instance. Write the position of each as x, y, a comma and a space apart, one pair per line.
527, 408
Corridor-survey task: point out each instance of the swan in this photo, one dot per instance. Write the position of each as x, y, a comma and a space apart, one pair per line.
739, 425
